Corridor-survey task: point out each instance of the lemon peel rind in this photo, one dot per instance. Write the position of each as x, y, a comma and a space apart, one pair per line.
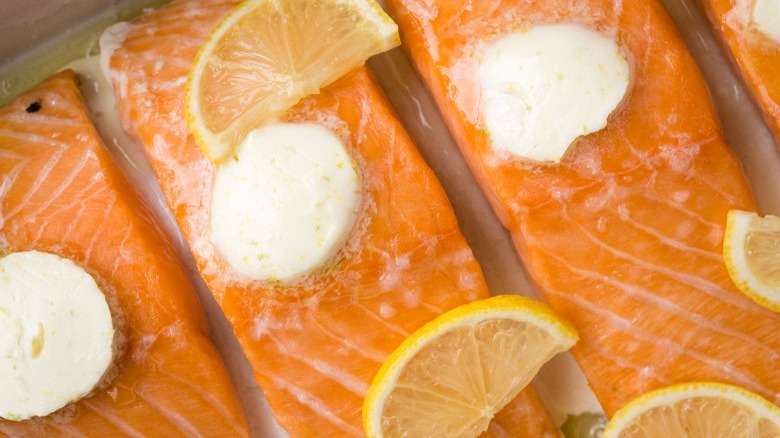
737, 226
675, 393
512, 307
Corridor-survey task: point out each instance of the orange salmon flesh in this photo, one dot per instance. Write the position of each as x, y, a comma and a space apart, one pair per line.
756, 55
315, 344
624, 236
63, 194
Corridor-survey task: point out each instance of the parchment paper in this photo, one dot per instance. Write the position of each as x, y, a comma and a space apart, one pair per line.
560, 383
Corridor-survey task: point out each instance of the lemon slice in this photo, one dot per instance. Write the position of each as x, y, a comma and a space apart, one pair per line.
451, 376
266, 55
751, 247
696, 410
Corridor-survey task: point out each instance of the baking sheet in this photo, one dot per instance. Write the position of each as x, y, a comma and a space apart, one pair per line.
38, 37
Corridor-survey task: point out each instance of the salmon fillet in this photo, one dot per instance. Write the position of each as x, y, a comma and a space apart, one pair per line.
315, 344
61, 193
756, 55
623, 237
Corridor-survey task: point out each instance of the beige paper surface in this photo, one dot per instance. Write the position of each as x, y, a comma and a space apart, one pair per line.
560, 383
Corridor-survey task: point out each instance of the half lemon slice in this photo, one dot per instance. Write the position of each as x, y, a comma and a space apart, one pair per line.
449, 378
266, 55
696, 410
751, 248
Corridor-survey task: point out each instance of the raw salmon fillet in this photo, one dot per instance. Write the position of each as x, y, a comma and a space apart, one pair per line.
61, 193
756, 55
316, 344
623, 237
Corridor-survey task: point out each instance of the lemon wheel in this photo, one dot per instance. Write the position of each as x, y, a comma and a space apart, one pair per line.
696, 410
266, 55
751, 248
451, 377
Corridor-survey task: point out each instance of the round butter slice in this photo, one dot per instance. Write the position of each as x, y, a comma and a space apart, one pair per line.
285, 202
766, 17
56, 334
545, 86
